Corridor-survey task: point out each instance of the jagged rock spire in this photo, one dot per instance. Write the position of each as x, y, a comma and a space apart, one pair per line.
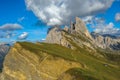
54, 35
58, 36
79, 27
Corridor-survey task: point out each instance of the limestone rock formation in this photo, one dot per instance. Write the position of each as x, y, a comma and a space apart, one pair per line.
106, 42
55, 36
79, 27
67, 35
78, 33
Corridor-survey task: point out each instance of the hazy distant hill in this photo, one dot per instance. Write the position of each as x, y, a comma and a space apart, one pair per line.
4, 48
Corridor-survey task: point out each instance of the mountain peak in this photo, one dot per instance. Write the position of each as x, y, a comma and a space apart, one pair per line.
77, 19
79, 27
76, 32
54, 35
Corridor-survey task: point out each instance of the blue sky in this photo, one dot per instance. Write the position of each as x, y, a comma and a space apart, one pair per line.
12, 11
15, 11
109, 14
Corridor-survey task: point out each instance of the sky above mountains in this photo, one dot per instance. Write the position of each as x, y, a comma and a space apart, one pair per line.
30, 19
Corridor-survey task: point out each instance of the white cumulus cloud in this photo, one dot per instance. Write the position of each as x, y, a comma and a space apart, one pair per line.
10, 27
59, 12
99, 25
117, 17
23, 36
106, 29
7, 30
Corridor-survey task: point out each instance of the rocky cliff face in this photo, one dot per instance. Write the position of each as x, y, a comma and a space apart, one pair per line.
55, 35
106, 42
79, 27
4, 48
77, 33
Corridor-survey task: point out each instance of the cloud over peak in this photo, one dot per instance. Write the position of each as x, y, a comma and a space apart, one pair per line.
59, 12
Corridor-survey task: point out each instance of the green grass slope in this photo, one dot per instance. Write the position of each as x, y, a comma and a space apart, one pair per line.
95, 68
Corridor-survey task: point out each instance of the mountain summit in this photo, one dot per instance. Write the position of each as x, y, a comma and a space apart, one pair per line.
79, 27
79, 34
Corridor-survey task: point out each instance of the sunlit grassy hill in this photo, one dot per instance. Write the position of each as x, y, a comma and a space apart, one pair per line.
92, 68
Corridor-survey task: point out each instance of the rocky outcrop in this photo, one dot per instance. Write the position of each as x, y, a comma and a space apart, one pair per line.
106, 42
79, 27
56, 36
77, 33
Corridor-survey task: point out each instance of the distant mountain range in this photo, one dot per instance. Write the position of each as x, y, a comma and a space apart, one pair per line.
4, 48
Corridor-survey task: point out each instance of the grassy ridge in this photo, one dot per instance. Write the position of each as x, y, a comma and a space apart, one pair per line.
97, 69
80, 74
